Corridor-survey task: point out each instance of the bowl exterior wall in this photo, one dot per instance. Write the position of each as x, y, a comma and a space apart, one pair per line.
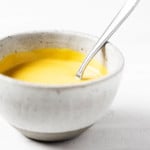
56, 109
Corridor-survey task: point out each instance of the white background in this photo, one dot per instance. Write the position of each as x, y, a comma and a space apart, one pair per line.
127, 124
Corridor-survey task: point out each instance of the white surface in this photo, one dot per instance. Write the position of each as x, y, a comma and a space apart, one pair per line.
127, 125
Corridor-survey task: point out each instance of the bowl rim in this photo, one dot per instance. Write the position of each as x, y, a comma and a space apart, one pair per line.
60, 86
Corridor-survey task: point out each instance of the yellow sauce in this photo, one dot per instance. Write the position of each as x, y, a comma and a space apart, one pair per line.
49, 66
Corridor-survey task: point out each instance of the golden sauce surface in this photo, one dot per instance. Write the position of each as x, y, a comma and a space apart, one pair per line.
49, 66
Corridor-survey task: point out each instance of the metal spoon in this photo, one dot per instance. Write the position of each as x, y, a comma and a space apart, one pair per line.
120, 17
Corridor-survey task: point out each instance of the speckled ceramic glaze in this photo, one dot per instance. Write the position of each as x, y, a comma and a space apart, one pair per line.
52, 113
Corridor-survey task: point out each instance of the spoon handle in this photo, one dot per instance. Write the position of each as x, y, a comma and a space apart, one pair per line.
120, 17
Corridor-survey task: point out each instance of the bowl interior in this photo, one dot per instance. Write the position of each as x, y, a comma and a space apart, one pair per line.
109, 56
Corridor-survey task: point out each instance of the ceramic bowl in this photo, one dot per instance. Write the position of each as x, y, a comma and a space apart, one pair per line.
53, 113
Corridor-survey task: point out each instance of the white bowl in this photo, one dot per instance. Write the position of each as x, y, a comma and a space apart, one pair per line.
52, 113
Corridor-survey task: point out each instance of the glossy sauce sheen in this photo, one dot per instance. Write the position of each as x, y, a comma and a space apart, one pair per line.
49, 66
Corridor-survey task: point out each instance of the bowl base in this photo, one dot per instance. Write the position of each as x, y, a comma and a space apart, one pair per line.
52, 137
